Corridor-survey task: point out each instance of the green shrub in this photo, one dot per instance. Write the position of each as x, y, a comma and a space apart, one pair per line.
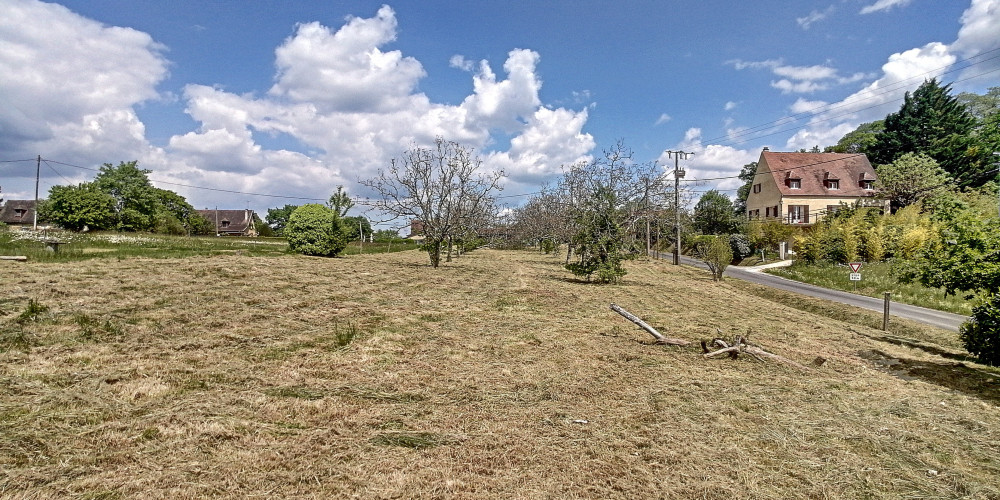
314, 229
715, 253
981, 334
740, 245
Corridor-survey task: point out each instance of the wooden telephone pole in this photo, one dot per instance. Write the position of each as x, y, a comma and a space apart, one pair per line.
678, 175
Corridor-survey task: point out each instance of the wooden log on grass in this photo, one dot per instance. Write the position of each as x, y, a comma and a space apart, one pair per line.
19, 258
660, 338
741, 345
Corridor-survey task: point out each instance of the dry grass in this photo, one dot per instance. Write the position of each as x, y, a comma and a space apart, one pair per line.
498, 376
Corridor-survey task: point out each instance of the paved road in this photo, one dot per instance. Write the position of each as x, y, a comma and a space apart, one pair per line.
940, 319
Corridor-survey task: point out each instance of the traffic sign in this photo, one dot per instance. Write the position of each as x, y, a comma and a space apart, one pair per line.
855, 267
855, 276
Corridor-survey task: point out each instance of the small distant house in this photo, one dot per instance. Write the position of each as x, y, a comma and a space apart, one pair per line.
416, 230
231, 222
801, 188
18, 213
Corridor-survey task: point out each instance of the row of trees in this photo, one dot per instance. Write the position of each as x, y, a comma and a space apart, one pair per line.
604, 210
122, 198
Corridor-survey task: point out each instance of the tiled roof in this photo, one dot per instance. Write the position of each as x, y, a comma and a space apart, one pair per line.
11, 208
238, 220
814, 170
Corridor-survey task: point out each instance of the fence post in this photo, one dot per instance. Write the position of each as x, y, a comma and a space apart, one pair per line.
885, 313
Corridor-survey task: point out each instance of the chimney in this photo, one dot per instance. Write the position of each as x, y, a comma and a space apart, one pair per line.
766, 148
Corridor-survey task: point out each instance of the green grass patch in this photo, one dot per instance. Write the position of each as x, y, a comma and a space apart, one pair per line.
415, 440
876, 279
85, 246
400, 245
295, 391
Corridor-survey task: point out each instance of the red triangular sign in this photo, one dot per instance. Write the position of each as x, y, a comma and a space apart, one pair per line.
855, 266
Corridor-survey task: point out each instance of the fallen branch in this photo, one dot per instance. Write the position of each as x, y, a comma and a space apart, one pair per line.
742, 345
660, 339
20, 258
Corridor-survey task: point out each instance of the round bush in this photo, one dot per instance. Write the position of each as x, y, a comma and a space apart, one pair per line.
740, 245
981, 334
314, 229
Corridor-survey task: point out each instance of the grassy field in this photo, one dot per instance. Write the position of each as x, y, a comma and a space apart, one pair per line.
876, 279
86, 246
497, 376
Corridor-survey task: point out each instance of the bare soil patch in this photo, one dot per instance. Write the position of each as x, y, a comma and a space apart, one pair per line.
375, 376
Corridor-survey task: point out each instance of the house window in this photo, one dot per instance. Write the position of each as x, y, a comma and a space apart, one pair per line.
756, 188
798, 214
867, 184
795, 183
225, 224
19, 212
832, 184
767, 211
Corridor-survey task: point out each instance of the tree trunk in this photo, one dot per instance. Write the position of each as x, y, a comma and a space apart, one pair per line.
434, 252
448, 258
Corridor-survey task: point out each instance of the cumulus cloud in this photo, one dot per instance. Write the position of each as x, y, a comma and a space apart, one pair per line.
346, 70
978, 36
730, 106
901, 73
72, 86
883, 5
710, 161
344, 102
813, 17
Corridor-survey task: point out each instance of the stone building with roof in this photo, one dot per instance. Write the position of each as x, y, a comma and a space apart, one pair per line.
801, 188
231, 222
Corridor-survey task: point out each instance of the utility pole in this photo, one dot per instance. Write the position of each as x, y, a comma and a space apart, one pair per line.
646, 215
678, 175
38, 171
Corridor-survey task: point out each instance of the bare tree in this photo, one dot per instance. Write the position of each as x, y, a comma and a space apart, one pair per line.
444, 187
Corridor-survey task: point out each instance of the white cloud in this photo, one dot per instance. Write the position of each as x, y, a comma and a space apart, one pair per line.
344, 102
552, 138
903, 72
883, 5
806, 87
798, 79
664, 118
346, 70
978, 35
730, 106
460, 62
70, 84
805, 106
813, 17
710, 162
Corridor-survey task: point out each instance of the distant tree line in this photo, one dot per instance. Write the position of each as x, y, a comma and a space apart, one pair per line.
121, 198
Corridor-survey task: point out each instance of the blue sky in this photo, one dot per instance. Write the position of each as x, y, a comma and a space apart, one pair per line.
292, 98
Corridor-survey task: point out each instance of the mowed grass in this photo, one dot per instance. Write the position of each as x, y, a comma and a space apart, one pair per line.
876, 279
105, 245
496, 376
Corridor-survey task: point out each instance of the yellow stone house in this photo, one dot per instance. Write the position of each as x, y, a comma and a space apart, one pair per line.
801, 188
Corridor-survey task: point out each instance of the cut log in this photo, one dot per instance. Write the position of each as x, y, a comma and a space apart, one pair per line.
660, 339
19, 258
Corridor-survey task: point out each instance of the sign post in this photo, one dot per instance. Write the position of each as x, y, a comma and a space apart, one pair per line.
855, 274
